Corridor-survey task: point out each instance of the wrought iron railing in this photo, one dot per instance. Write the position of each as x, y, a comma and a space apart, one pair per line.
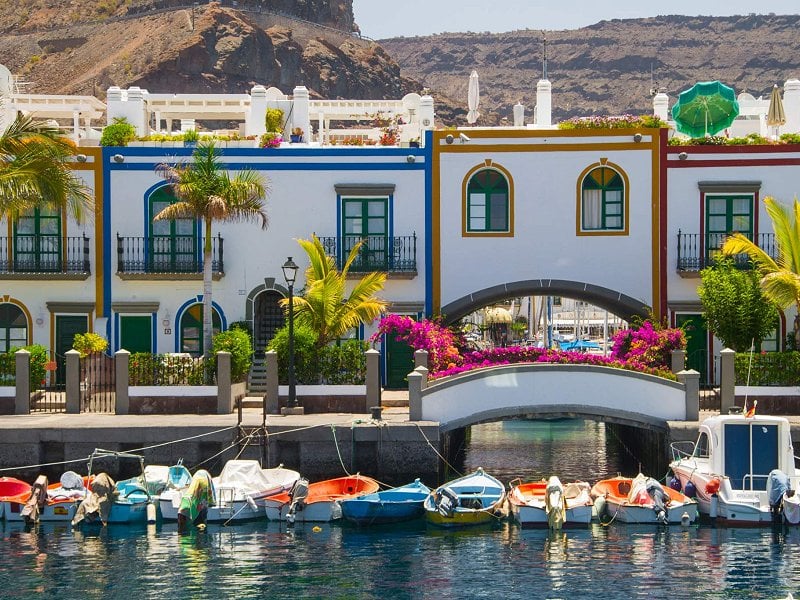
379, 252
167, 254
697, 251
170, 369
23, 253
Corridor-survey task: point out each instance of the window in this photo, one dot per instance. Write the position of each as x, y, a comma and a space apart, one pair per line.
488, 207
192, 329
173, 244
37, 241
602, 200
725, 214
13, 327
366, 219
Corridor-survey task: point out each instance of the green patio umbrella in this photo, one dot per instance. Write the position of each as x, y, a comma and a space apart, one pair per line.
706, 108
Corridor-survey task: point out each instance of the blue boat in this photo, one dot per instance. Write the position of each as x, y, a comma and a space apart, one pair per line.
389, 506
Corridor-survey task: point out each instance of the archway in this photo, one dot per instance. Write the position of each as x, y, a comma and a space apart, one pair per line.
616, 303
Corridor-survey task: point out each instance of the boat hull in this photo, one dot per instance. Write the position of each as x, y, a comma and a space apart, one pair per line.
51, 512
395, 505
465, 518
532, 516
321, 502
234, 511
626, 500
321, 511
474, 499
632, 513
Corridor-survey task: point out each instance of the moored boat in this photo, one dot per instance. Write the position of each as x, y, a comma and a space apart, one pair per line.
48, 502
388, 506
474, 499
551, 503
319, 501
11, 487
741, 470
642, 500
238, 493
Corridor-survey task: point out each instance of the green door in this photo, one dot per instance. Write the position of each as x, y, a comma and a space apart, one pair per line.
365, 219
66, 328
399, 363
696, 343
136, 333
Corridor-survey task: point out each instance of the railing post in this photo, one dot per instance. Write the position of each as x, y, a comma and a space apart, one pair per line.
691, 384
221, 261
122, 403
86, 263
272, 404
120, 255
678, 360
73, 390
22, 400
373, 396
421, 358
679, 249
727, 380
224, 392
417, 381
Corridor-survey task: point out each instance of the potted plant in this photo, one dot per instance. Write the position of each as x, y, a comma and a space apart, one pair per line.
95, 366
270, 139
296, 136
191, 137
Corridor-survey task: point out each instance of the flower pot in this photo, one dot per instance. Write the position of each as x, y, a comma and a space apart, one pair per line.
296, 139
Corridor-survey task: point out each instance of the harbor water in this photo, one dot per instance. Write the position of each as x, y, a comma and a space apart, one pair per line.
271, 560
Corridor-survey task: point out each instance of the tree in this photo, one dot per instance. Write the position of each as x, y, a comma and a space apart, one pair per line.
323, 306
35, 171
735, 307
206, 192
780, 278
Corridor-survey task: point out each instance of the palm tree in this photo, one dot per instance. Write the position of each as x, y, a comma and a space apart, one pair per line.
323, 306
206, 192
780, 278
35, 171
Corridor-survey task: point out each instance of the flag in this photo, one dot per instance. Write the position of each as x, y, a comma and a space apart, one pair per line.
750, 412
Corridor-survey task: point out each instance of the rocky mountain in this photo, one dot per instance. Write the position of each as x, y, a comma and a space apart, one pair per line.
606, 68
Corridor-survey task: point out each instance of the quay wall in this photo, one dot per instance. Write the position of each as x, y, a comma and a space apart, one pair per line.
393, 453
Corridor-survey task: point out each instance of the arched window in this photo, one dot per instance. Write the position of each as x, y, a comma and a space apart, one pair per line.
192, 329
488, 205
173, 245
603, 200
13, 327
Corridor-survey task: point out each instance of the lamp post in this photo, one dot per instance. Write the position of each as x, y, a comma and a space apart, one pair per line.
290, 274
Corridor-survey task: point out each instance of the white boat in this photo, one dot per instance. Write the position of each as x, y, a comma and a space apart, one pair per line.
551, 503
641, 499
734, 467
237, 494
53, 502
319, 501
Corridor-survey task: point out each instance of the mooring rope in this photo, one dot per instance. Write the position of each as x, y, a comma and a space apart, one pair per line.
336, 444
444, 460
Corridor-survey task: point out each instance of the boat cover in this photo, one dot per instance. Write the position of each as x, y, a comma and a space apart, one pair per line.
98, 503
38, 498
778, 485
197, 499
251, 479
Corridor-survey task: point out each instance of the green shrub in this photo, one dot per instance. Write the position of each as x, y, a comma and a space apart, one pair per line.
273, 120
768, 368
191, 136
89, 343
306, 357
39, 359
345, 364
790, 138
237, 342
244, 326
119, 133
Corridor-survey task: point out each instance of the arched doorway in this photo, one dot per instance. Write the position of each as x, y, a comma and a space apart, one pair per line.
268, 318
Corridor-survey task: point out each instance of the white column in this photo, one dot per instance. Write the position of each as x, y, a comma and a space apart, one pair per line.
544, 119
300, 112
254, 122
76, 126
519, 115
791, 106
157, 119
136, 111
426, 115
661, 106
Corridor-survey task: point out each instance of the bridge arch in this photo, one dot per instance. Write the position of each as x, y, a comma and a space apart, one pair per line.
616, 303
554, 390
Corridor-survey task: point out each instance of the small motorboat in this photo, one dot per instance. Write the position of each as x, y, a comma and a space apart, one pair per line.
11, 487
551, 503
641, 499
474, 499
741, 470
388, 506
319, 501
48, 502
238, 493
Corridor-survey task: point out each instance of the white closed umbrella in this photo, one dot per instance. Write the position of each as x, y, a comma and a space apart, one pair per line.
473, 98
776, 116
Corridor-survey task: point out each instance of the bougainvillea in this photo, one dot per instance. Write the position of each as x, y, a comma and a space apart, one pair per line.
429, 335
648, 345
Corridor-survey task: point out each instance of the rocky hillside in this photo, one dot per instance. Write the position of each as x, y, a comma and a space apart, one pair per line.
606, 68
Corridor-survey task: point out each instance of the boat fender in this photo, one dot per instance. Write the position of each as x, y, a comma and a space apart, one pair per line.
712, 487
714, 506
251, 503
690, 490
675, 483
151, 512
600, 506
686, 520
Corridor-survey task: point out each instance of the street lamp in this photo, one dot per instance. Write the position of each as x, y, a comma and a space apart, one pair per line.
290, 274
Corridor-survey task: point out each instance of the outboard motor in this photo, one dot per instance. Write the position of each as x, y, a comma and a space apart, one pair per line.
555, 503
660, 500
446, 501
777, 486
37, 501
298, 495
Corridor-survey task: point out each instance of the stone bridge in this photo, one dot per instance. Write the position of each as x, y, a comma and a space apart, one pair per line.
552, 391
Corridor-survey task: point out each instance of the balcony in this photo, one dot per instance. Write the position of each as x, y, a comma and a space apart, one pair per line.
50, 257
396, 256
697, 251
166, 257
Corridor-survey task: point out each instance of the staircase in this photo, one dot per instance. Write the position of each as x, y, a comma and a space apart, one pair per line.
257, 378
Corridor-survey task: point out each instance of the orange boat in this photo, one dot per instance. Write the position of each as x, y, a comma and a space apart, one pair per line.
318, 501
11, 487
642, 500
54, 502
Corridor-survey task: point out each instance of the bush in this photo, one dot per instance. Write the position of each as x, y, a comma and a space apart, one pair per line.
119, 133
273, 120
306, 357
89, 343
767, 368
345, 364
238, 343
8, 366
